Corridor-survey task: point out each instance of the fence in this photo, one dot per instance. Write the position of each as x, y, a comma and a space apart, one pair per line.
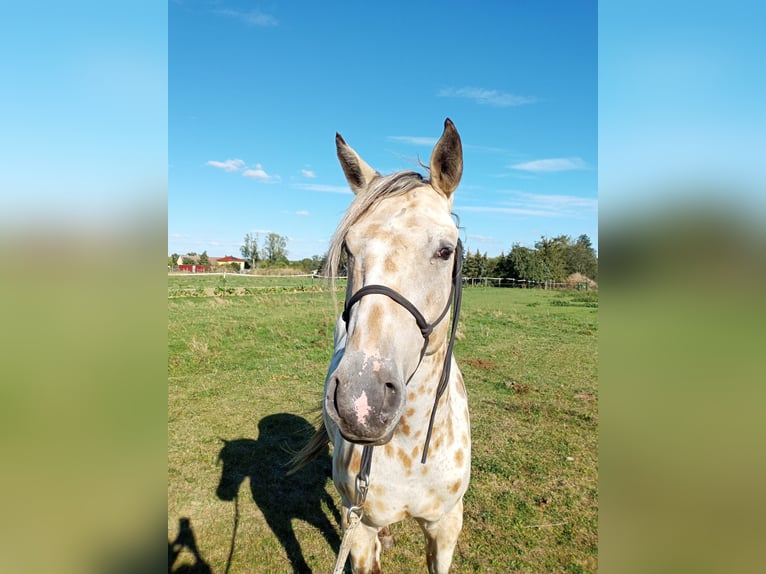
467, 281
524, 284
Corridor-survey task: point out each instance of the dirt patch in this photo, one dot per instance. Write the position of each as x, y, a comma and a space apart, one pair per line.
480, 363
517, 387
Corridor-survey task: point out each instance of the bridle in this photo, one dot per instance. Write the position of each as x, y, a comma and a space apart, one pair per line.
426, 328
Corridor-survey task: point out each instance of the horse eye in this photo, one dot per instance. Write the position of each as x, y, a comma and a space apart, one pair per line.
444, 253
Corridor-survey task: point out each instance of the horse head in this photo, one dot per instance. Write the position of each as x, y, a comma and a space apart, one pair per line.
402, 248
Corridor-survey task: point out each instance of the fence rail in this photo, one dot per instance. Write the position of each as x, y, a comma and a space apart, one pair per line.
467, 281
524, 284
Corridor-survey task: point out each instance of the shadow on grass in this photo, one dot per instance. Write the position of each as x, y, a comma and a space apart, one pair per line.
281, 498
185, 540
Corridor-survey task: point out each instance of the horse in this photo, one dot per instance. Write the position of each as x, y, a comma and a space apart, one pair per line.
395, 406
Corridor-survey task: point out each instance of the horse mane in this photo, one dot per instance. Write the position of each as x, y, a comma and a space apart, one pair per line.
379, 188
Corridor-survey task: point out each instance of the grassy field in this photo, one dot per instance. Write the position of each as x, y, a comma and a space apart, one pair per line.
245, 375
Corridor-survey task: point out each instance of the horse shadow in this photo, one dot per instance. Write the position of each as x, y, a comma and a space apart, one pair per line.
281, 498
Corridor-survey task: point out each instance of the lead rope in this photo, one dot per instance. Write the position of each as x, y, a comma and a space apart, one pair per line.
356, 512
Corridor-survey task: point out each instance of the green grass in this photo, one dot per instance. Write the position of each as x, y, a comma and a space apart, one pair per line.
252, 367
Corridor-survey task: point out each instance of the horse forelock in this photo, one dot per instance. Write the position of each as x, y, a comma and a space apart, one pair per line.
380, 188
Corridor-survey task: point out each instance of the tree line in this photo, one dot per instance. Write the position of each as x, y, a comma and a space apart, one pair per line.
551, 259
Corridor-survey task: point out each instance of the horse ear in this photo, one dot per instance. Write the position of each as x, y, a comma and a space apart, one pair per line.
358, 173
447, 160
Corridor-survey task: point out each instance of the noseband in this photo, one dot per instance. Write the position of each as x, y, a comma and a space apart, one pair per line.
426, 328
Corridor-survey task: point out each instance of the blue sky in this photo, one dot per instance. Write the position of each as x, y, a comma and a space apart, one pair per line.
258, 90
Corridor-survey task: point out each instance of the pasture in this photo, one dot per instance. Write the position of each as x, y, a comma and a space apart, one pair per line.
246, 365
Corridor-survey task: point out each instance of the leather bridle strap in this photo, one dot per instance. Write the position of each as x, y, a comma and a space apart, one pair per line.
425, 328
456, 295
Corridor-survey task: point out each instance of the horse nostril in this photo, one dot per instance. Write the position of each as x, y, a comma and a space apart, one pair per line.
335, 394
391, 388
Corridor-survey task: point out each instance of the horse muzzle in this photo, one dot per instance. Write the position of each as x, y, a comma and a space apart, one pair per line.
365, 399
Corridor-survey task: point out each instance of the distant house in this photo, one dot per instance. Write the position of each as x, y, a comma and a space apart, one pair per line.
193, 266
228, 260
191, 263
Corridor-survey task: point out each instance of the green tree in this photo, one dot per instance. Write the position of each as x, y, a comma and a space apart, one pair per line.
249, 249
471, 265
304, 265
491, 266
527, 263
504, 267
204, 260
275, 249
553, 255
309, 265
581, 257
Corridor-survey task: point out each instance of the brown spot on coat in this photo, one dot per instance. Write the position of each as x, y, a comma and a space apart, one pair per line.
459, 457
356, 461
375, 320
455, 487
450, 432
405, 460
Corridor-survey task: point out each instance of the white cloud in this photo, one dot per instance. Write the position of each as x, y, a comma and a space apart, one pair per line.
228, 165
322, 187
510, 210
414, 140
559, 201
302, 213
237, 165
484, 96
539, 205
251, 17
308, 173
259, 174
256, 173
552, 164
481, 238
